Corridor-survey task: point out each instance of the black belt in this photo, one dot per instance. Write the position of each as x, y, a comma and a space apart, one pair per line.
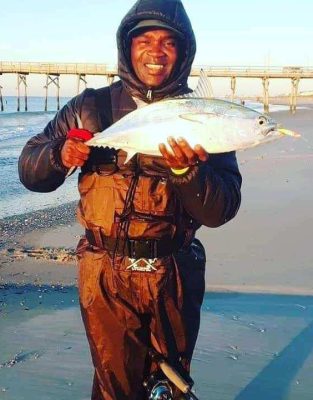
135, 248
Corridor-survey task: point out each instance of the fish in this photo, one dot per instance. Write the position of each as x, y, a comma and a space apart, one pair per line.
217, 125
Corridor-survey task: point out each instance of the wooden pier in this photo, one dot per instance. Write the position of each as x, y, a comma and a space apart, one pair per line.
54, 70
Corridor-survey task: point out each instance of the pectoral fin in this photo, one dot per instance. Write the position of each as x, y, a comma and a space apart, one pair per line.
130, 154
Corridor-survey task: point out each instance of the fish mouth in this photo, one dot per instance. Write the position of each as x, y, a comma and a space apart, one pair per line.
270, 130
276, 130
288, 132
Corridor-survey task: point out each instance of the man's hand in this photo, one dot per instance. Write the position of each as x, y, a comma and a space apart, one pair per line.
74, 153
182, 154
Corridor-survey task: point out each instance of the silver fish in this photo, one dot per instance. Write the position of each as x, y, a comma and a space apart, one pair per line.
219, 126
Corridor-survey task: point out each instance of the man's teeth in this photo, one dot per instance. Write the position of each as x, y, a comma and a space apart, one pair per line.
156, 67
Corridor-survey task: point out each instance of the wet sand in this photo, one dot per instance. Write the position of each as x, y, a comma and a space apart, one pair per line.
39, 247
254, 261
250, 346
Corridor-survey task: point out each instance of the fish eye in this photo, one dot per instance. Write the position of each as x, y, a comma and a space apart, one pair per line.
262, 120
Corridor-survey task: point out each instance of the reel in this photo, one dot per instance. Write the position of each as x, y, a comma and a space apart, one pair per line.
158, 384
158, 388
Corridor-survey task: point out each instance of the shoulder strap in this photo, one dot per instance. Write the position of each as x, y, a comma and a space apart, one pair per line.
121, 101
104, 107
113, 102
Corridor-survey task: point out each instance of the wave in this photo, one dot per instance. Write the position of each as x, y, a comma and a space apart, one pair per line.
15, 119
13, 114
15, 125
8, 161
9, 137
34, 103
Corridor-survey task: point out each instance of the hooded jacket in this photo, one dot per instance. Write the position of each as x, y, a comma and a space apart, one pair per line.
209, 192
171, 12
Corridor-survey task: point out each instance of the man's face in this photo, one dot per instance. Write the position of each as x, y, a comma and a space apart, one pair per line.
153, 56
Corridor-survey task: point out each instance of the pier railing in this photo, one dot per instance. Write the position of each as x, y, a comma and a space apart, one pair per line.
81, 70
255, 72
56, 68
106, 69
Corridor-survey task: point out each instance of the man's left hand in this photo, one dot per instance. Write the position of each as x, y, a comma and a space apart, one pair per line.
182, 155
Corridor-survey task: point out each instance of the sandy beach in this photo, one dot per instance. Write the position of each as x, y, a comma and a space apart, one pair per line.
39, 247
265, 249
259, 280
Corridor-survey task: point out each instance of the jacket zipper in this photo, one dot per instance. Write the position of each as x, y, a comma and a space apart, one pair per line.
149, 95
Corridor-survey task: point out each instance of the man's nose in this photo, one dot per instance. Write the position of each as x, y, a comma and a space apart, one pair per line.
156, 50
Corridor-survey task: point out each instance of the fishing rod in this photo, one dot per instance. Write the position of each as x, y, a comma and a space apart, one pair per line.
173, 376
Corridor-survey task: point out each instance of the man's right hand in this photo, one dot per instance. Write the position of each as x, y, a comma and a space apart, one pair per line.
74, 153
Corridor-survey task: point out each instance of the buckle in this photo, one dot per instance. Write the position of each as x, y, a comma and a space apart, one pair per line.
142, 249
142, 265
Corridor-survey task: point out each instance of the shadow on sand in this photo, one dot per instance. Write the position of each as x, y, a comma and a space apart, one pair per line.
284, 367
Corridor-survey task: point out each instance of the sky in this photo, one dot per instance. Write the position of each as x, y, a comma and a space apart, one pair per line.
228, 32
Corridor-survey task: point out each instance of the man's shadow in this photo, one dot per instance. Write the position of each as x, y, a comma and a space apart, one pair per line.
274, 380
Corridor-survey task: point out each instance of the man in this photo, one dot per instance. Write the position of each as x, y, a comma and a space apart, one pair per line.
141, 270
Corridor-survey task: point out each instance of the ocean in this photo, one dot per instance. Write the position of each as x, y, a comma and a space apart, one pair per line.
16, 128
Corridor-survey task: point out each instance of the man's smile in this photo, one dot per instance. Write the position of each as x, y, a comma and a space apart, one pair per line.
155, 67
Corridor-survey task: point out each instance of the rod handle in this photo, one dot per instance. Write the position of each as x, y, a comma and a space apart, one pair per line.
174, 377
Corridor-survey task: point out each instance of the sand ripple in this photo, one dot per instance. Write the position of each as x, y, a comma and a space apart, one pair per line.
62, 255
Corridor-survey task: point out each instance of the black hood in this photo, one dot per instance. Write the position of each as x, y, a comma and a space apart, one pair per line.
173, 13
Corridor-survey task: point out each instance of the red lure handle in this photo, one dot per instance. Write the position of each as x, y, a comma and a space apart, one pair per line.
80, 134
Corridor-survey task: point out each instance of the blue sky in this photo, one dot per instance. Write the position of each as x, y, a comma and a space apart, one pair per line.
268, 32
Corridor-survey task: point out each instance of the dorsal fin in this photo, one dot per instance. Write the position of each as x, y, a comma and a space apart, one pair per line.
203, 89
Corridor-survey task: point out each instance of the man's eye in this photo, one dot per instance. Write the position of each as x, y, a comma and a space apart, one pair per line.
170, 43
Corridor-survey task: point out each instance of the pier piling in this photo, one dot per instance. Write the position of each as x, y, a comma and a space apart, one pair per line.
294, 94
233, 87
21, 80
81, 77
1, 99
52, 79
110, 79
266, 83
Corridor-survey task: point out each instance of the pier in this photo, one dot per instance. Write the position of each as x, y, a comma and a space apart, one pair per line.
53, 71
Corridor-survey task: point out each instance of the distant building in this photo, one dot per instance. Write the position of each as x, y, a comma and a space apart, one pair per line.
306, 93
292, 69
